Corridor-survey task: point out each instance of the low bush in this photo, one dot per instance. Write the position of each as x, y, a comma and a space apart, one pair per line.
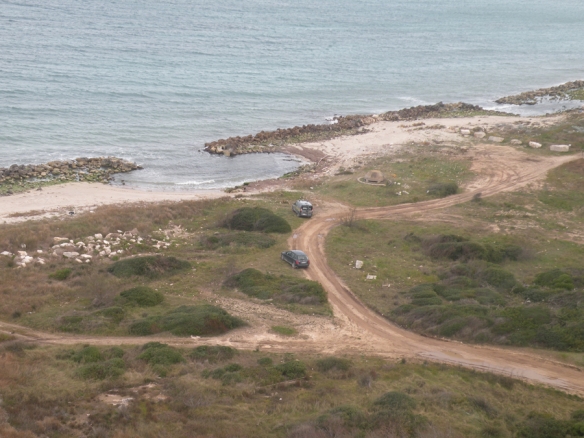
332, 363
293, 369
395, 401
115, 314
280, 288
201, 320
142, 296
556, 278
155, 353
212, 353
256, 219
442, 190
285, 331
61, 274
108, 369
149, 266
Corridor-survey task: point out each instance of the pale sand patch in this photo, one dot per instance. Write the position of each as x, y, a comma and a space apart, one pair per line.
79, 197
385, 138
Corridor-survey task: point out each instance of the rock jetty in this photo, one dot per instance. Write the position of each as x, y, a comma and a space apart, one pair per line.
99, 169
561, 92
270, 141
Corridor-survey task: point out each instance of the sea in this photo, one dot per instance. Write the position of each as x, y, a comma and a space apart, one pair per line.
153, 80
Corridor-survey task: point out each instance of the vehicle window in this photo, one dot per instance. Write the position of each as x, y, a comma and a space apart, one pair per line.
302, 258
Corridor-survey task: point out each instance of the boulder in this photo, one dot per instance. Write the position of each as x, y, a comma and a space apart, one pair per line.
98, 236
6, 253
534, 145
480, 134
516, 142
465, 131
358, 264
560, 147
70, 254
496, 139
59, 240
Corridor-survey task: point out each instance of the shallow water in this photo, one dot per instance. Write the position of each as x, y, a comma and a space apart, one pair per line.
152, 81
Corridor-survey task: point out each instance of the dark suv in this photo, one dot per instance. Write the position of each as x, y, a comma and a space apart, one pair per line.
302, 208
296, 258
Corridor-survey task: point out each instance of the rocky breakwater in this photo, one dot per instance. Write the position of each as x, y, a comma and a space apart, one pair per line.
567, 91
272, 141
99, 169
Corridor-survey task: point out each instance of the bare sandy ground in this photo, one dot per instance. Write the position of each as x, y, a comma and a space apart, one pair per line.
80, 197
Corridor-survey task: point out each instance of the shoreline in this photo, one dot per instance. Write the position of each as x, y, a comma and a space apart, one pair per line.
328, 157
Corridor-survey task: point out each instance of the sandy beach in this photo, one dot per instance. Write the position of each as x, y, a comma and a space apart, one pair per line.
379, 139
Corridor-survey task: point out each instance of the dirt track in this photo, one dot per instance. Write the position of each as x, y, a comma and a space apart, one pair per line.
358, 330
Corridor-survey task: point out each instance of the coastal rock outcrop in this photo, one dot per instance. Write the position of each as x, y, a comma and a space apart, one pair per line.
270, 141
561, 92
80, 169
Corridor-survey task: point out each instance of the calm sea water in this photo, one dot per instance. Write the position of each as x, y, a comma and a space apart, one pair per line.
152, 81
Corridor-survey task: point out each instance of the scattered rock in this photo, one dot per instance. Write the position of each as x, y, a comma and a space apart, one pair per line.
59, 240
479, 134
516, 142
70, 254
534, 145
496, 139
560, 147
371, 277
465, 131
358, 264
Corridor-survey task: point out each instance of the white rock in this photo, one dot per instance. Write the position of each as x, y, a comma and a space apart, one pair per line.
102, 253
22, 253
516, 142
70, 254
371, 277
86, 256
113, 254
465, 131
90, 238
60, 240
358, 264
496, 139
39, 251
534, 145
87, 261
79, 260
6, 253
120, 251
98, 236
106, 242
480, 134
560, 147
107, 250
120, 231
41, 261
63, 245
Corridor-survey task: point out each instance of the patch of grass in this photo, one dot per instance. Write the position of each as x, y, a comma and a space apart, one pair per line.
108, 369
284, 331
142, 296
6, 337
442, 189
293, 369
149, 266
61, 274
333, 363
243, 239
256, 219
201, 320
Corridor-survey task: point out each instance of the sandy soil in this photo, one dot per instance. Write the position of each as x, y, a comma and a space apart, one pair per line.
59, 200
355, 329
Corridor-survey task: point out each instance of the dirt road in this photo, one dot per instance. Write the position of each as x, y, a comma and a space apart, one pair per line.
358, 330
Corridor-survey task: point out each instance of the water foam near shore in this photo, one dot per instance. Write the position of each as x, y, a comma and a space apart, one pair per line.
152, 82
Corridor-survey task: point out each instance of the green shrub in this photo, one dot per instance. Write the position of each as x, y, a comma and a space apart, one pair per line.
155, 353
257, 219
395, 401
283, 288
111, 368
87, 354
113, 352
499, 278
265, 361
349, 416
116, 314
293, 369
555, 278
142, 296
442, 190
71, 323
333, 363
61, 274
149, 266
201, 320
213, 353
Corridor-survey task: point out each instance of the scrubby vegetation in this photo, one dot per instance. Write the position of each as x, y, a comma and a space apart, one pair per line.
149, 266
281, 289
179, 393
256, 219
61, 274
201, 320
442, 190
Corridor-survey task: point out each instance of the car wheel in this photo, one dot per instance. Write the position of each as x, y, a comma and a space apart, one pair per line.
281, 256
